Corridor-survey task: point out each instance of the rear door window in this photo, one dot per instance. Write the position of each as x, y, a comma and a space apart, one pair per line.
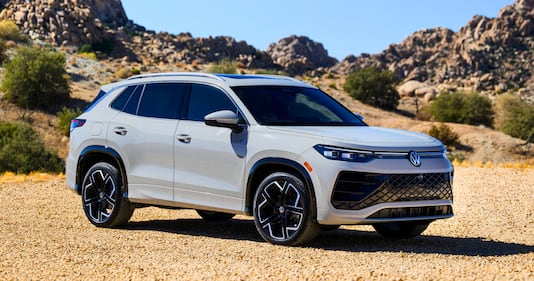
162, 100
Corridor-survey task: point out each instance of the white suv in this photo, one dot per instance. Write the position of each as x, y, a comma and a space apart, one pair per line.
268, 146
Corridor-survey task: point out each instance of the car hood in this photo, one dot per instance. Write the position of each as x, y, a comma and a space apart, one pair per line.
366, 137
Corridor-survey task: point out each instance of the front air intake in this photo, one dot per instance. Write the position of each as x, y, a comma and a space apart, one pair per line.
356, 191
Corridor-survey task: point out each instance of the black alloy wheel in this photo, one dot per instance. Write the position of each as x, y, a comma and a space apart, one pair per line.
282, 210
102, 196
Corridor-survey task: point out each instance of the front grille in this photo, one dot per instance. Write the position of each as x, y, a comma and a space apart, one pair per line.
356, 191
412, 212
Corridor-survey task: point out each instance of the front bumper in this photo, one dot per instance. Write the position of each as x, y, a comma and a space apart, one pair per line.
382, 190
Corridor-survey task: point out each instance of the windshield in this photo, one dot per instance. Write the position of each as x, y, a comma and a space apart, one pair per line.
295, 106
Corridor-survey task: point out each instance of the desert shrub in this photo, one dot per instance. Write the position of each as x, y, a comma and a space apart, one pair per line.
514, 117
455, 156
88, 55
10, 31
22, 151
65, 115
444, 133
86, 51
373, 87
85, 48
98, 49
3, 48
462, 107
36, 78
225, 66
123, 73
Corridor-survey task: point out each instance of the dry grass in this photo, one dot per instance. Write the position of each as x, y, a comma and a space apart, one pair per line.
9, 177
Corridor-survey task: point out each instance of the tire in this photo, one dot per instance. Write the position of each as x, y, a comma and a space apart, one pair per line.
102, 196
282, 210
401, 229
214, 216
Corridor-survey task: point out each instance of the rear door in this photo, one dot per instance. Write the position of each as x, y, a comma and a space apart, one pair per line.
144, 134
209, 161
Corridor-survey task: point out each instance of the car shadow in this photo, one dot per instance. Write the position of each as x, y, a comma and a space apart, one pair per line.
342, 239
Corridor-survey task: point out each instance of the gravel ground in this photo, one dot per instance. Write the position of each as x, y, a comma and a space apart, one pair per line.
45, 236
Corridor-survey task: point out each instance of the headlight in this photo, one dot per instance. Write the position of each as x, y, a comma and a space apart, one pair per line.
344, 154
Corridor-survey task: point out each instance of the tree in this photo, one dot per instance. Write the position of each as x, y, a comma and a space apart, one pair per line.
514, 117
462, 107
36, 78
374, 87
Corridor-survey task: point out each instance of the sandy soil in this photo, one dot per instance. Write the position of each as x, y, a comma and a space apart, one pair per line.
45, 236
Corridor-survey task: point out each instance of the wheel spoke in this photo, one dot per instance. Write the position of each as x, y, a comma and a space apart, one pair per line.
273, 219
294, 210
268, 199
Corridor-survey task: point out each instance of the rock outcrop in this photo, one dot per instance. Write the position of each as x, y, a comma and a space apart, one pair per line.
67, 22
299, 54
491, 55
488, 54
104, 22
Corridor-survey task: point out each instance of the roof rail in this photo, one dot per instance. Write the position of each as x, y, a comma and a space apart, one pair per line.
280, 77
170, 74
265, 76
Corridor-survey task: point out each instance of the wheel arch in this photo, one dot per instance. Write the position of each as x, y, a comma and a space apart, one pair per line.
94, 154
266, 166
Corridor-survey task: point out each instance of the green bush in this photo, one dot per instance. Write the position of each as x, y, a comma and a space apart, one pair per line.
65, 115
462, 107
373, 87
225, 66
3, 48
514, 116
103, 48
36, 78
10, 31
22, 151
445, 134
85, 48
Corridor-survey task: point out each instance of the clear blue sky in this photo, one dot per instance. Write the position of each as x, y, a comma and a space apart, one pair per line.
343, 27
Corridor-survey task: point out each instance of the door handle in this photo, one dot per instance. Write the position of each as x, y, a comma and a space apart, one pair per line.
120, 131
184, 138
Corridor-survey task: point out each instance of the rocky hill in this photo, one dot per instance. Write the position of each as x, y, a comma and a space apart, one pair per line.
488, 54
491, 55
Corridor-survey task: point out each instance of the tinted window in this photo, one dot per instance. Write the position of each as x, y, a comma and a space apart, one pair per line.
162, 100
123, 98
205, 100
133, 100
295, 106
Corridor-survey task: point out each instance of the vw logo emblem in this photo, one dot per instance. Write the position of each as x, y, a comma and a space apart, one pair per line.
415, 158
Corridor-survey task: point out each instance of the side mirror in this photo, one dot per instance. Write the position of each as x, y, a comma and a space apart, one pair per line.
225, 119
359, 116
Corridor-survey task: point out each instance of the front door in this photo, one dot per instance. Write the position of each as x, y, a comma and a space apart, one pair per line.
209, 161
